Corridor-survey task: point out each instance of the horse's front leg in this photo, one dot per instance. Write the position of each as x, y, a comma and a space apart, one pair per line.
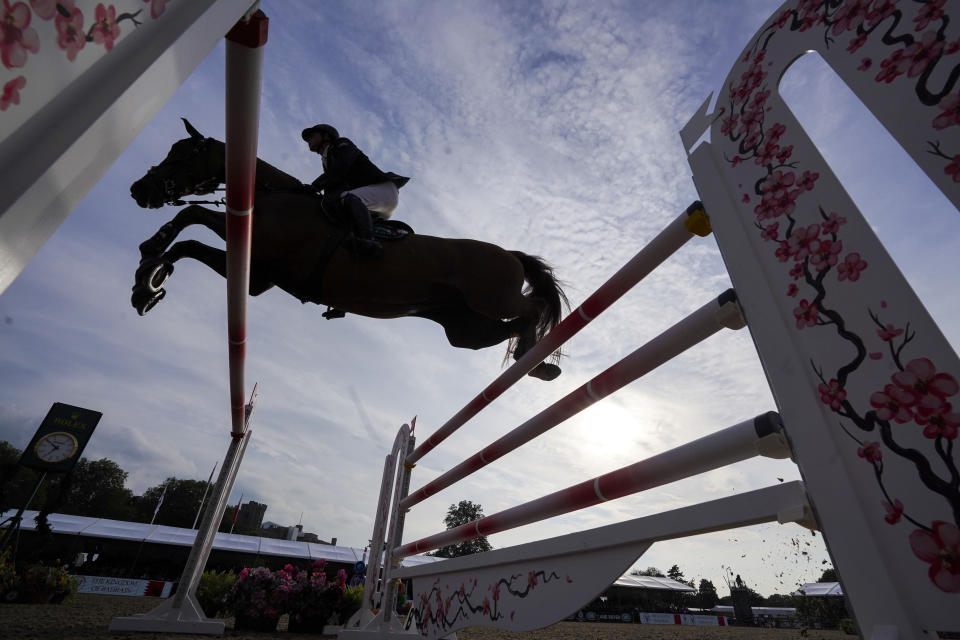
154, 246
147, 293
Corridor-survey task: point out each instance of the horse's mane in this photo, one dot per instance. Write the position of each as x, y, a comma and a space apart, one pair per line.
269, 178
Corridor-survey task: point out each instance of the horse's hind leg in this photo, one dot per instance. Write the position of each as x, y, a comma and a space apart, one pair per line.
154, 246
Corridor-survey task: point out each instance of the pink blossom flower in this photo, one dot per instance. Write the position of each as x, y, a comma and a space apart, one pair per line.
865, 64
870, 452
938, 420
880, 10
105, 29
729, 124
532, 579
783, 19
889, 332
784, 252
11, 92
851, 267
775, 132
797, 271
752, 139
952, 47
767, 153
929, 12
777, 183
833, 222
736, 160
745, 199
941, 548
923, 53
893, 404
157, 7
46, 9
892, 67
806, 314
70, 35
771, 231
802, 241
953, 169
793, 290
857, 42
930, 387
785, 153
760, 98
832, 393
894, 511
16, 35
807, 180
824, 253
850, 16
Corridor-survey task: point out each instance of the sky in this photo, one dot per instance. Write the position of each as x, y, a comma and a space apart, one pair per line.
546, 127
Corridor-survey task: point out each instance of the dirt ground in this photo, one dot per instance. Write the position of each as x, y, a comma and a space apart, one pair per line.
88, 616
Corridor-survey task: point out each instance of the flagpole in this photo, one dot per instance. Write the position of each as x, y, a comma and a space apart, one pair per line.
205, 490
159, 502
235, 512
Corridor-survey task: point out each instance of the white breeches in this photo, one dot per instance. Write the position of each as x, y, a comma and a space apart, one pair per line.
381, 199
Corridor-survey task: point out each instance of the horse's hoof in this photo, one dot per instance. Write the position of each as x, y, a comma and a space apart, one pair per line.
545, 371
143, 299
152, 273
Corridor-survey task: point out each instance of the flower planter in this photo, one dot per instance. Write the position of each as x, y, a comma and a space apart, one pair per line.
311, 624
260, 623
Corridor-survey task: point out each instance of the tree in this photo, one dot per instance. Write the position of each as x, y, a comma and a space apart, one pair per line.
829, 575
460, 514
649, 571
17, 482
94, 489
180, 502
707, 597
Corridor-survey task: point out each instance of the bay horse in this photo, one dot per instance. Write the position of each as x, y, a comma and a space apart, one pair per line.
473, 289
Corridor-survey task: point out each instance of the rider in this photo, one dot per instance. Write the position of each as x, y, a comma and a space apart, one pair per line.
352, 182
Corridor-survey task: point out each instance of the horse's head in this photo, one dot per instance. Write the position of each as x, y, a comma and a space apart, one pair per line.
193, 166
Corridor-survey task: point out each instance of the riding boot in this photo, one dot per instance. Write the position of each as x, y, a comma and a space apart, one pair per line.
362, 222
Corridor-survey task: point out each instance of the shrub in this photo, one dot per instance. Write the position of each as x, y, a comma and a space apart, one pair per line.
350, 602
257, 593
212, 592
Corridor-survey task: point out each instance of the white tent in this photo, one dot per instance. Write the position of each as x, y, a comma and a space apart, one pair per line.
819, 589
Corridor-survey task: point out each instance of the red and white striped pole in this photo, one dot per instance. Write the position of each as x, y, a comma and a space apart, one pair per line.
695, 328
733, 444
244, 64
675, 235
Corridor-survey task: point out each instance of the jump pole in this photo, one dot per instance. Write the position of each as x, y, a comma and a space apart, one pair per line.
691, 222
244, 63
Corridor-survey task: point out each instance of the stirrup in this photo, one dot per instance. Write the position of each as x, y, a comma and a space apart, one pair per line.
331, 313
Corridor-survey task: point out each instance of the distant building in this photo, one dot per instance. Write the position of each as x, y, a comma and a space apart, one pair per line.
250, 517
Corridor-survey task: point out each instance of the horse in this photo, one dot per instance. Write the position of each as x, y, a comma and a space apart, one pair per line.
473, 289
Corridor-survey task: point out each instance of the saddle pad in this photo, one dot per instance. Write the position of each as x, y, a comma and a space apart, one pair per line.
390, 229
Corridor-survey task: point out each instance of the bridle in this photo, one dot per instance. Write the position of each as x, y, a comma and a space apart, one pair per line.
172, 191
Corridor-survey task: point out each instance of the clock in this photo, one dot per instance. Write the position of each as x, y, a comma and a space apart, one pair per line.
56, 447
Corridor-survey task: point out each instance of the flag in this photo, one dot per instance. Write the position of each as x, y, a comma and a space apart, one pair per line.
159, 502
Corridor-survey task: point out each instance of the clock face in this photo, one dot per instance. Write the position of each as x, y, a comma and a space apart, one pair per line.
56, 447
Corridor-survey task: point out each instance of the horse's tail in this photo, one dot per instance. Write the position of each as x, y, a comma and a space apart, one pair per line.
544, 285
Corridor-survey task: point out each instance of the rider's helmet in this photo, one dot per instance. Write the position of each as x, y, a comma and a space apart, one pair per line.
325, 129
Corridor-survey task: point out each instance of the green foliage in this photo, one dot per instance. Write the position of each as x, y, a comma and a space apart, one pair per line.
707, 597
459, 514
96, 488
212, 592
16, 482
180, 503
39, 579
827, 610
847, 626
829, 575
8, 575
350, 602
649, 571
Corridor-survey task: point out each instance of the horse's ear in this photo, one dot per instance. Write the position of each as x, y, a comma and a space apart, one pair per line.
191, 130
